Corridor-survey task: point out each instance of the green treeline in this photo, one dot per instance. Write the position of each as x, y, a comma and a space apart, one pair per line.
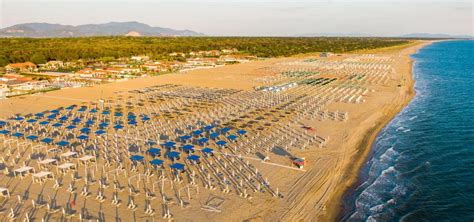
37, 50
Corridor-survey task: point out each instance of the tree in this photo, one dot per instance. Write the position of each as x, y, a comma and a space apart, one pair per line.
3, 61
38, 58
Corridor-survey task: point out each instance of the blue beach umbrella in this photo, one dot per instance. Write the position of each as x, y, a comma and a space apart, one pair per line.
17, 134
177, 166
62, 143
47, 140
221, 143
31, 121
207, 151
99, 132
156, 162
241, 132
136, 158
32, 137
83, 137
173, 155
188, 148
194, 158
214, 135
154, 152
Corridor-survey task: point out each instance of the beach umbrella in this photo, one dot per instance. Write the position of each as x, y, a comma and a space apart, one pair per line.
185, 137
32, 137
225, 130
207, 151
63, 118
93, 111
103, 124
83, 137
44, 123
221, 143
203, 140
173, 155
19, 118
52, 116
177, 166
70, 127
169, 144
214, 135
85, 130
99, 132
188, 148
193, 158
208, 128
47, 140
105, 112
151, 142
154, 152
31, 120
118, 126
136, 158
76, 120
57, 125
156, 162
39, 114
197, 132
241, 132
4, 132
3, 123
62, 143
17, 134
232, 137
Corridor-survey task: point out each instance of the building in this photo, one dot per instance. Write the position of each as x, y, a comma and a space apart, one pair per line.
140, 58
20, 67
3, 90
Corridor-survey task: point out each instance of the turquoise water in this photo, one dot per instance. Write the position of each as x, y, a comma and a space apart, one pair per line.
422, 163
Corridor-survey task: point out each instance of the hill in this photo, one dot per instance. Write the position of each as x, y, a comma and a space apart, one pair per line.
43, 30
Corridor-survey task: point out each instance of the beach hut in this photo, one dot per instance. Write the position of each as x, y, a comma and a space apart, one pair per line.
299, 162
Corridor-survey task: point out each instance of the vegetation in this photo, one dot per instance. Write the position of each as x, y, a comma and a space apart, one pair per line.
14, 50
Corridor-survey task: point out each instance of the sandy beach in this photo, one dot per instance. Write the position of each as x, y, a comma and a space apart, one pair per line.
354, 109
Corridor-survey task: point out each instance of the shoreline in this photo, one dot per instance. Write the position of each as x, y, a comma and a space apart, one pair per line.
365, 144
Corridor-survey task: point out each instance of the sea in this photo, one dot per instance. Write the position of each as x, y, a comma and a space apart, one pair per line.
421, 166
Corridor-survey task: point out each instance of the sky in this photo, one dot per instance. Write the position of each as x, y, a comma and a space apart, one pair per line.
255, 17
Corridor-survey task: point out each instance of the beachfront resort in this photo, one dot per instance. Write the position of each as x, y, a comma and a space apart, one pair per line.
170, 147
17, 79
